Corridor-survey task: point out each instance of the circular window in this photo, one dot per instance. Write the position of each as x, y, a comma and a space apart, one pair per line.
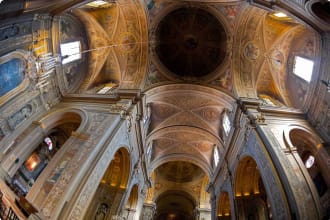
191, 42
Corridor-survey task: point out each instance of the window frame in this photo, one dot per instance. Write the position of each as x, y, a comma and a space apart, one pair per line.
72, 55
307, 78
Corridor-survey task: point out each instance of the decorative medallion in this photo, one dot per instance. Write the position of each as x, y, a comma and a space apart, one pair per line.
127, 42
277, 59
251, 51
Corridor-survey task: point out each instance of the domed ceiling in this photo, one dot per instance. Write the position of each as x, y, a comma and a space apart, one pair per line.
190, 42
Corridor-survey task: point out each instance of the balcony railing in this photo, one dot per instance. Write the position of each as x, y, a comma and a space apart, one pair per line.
6, 213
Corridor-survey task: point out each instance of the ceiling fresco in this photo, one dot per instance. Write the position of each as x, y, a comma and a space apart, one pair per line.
192, 61
257, 54
117, 34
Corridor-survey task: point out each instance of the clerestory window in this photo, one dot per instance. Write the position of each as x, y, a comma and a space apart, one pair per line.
226, 123
70, 51
303, 68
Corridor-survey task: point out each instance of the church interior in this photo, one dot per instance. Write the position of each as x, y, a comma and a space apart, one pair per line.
164, 109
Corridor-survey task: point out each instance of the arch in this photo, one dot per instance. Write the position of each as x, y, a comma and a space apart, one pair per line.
133, 198
130, 209
204, 201
223, 211
112, 185
37, 131
69, 28
182, 157
117, 173
223, 98
57, 117
312, 159
151, 191
318, 10
32, 162
246, 172
189, 149
250, 193
175, 205
307, 134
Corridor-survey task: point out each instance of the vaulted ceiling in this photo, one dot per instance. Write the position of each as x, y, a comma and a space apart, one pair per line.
192, 60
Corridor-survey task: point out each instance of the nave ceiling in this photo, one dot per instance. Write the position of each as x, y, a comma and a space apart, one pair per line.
162, 48
192, 60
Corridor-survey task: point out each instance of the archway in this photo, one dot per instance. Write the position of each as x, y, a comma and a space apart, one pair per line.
131, 204
250, 194
313, 161
33, 157
175, 205
111, 189
223, 212
38, 160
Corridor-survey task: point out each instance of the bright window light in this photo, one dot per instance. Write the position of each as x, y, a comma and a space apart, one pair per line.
280, 15
70, 52
97, 3
309, 162
303, 68
104, 90
226, 123
49, 143
107, 88
216, 156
